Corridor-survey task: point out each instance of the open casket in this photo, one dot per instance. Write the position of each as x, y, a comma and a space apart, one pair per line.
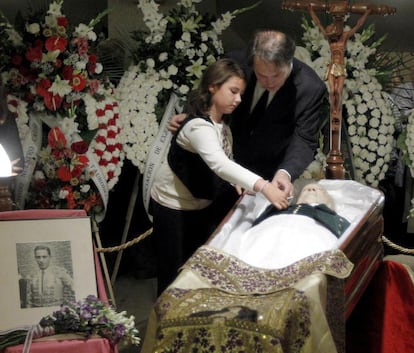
235, 292
361, 205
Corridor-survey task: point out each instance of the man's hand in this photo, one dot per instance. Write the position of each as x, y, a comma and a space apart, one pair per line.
282, 181
175, 122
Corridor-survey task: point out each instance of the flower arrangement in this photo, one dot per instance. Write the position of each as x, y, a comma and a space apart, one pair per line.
86, 317
170, 56
55, 79
51, 68
60, 177
367, 110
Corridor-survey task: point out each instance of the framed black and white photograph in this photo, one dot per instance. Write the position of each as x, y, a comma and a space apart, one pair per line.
44, 263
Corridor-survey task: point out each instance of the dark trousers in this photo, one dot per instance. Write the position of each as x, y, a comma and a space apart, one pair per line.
177, 234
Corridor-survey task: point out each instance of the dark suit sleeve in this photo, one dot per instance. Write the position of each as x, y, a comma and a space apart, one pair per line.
309, 113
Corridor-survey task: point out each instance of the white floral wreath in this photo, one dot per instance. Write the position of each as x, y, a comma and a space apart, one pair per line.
138, 91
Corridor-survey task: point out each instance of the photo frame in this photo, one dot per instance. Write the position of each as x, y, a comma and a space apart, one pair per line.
43, 262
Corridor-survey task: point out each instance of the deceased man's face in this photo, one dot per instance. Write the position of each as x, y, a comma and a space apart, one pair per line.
315, 194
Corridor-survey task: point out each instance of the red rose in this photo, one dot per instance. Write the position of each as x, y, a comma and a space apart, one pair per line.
93, 59
80, 147
42, 88
67, 72
62, 21
34, 54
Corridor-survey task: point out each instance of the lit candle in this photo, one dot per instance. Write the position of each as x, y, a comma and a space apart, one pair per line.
5, 164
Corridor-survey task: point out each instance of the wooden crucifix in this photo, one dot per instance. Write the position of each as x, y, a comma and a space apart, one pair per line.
337, 37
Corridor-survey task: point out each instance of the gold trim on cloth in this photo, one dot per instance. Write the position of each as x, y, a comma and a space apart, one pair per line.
228, 273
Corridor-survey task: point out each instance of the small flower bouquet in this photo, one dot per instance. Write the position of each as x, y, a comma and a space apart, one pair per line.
86, 317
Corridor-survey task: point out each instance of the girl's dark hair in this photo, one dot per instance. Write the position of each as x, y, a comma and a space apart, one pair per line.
199, 100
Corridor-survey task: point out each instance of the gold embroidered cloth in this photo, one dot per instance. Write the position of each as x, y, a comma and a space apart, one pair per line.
221, 304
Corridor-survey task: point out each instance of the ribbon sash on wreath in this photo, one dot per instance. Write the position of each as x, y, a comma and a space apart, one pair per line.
31, 144
159, 149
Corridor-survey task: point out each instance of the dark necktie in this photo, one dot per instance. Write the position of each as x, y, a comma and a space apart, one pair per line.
258, 110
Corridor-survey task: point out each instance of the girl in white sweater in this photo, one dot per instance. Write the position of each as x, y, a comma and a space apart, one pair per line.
198, 163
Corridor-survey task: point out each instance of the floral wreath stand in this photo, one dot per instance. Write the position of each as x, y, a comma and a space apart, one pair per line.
101, 251
124, 244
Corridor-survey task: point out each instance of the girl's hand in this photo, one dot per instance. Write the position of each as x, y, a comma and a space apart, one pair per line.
278, 197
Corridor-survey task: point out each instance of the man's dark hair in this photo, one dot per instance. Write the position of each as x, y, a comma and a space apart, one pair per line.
273, 46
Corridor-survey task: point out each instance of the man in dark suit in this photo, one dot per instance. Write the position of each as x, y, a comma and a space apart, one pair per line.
280, 142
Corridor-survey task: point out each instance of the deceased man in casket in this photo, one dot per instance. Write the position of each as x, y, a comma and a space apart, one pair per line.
277, 238
261, 286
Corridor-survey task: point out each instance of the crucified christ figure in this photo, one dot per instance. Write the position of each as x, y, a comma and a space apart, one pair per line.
337, 38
